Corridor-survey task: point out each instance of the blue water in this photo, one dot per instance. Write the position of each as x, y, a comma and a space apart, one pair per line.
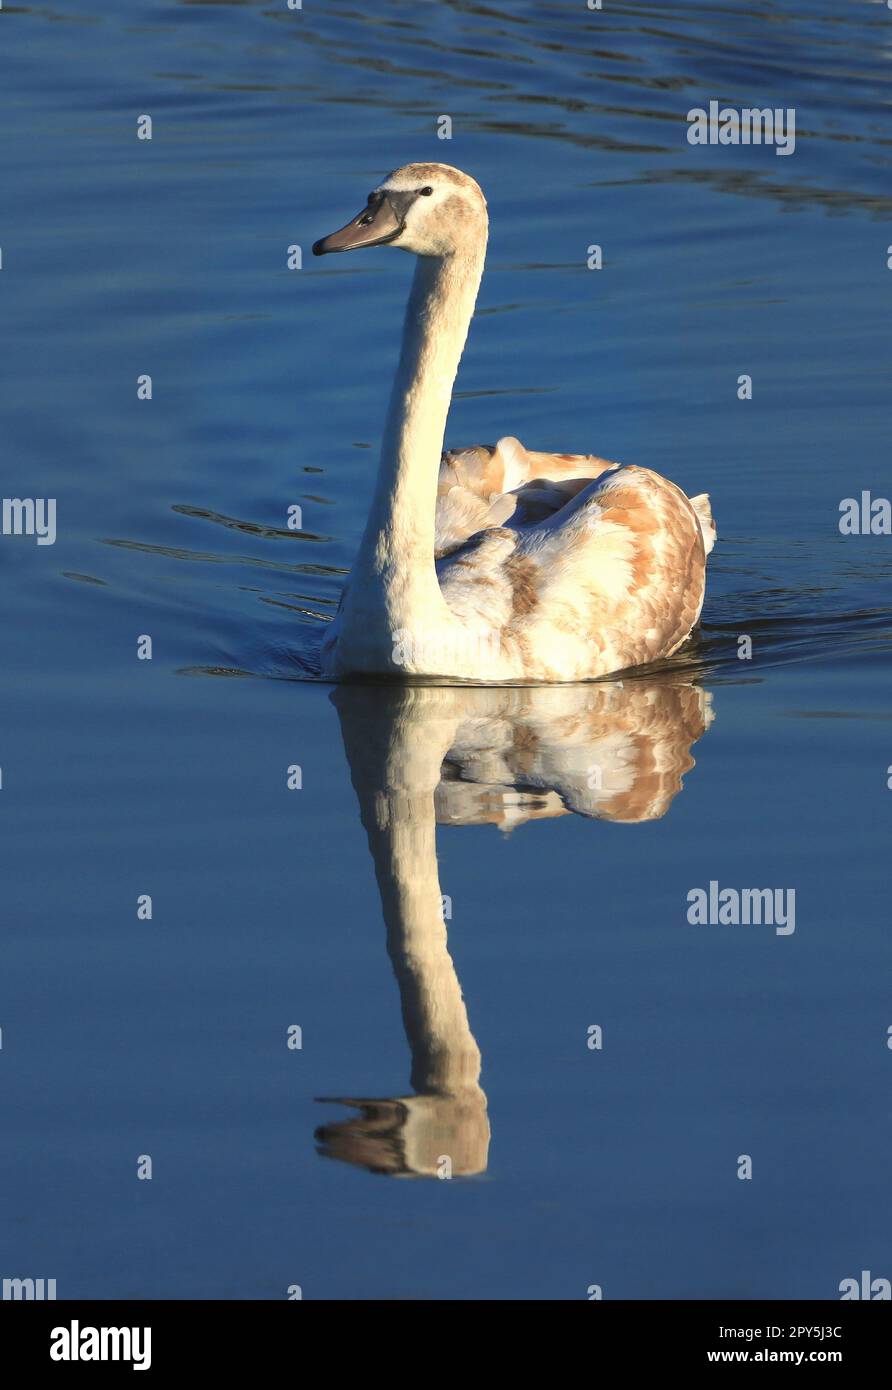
122, 1037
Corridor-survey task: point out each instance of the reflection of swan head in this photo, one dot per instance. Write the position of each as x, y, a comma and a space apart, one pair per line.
429, 209
472, 755
413, 1136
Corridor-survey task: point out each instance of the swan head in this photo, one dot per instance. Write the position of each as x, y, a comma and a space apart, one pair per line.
428, 209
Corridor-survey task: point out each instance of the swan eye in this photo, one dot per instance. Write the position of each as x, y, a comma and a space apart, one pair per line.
426, 192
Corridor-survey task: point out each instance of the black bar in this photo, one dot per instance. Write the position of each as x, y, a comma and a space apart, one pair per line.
230, 1337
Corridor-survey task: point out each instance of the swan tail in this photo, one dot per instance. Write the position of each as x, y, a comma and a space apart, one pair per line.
701, 506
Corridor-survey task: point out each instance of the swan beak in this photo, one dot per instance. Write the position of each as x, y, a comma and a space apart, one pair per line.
377, 224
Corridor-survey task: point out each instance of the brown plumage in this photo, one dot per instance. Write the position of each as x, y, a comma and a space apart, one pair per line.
584, 566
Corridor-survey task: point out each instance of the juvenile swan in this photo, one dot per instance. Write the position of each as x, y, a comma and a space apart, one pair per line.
497, 563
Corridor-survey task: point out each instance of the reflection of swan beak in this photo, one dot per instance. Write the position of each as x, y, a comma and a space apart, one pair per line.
377, 224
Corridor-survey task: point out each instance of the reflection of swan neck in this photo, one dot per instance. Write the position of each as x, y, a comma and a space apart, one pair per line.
395, 763
401, 831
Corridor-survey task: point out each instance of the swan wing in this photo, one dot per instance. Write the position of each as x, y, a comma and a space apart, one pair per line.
613, 578
489, 484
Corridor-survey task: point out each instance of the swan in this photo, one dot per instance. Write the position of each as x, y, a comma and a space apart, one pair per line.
497, 563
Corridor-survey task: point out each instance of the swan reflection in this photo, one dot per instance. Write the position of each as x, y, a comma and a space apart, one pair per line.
455, 755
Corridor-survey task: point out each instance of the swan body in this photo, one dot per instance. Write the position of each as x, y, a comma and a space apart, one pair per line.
497, 563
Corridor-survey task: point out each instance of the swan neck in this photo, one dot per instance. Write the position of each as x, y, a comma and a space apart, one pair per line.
399, 537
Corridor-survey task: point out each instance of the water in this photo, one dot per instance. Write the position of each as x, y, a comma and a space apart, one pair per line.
120, 1037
